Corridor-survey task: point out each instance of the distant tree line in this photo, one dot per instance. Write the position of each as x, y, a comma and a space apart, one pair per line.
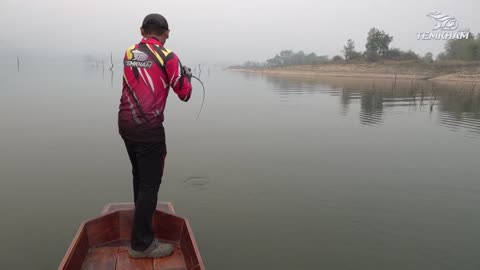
377, 48
462, 49
288, 58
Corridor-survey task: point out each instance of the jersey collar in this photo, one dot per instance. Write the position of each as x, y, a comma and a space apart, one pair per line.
151, 40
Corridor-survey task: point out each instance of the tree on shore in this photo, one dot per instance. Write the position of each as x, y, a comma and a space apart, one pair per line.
462, 49
337, 58
252, 64
378, 43
289, 58
399, 55
349, 52
428, 58
377, 48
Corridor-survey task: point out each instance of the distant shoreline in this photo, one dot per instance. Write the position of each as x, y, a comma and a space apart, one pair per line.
448, 72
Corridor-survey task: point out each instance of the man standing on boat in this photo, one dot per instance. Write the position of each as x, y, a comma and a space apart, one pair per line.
149, 72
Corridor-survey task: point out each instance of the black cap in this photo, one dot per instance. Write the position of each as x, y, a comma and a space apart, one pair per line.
155, 20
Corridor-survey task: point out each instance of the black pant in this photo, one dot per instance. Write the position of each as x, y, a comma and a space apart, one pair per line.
147, 168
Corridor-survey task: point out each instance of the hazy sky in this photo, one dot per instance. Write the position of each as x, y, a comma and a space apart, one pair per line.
223, 31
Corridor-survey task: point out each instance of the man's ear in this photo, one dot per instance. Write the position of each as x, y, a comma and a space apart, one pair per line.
142, 32
167, 35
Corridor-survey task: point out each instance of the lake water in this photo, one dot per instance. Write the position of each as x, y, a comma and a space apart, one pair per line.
278, 172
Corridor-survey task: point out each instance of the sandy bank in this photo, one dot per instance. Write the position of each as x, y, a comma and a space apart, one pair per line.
469, 73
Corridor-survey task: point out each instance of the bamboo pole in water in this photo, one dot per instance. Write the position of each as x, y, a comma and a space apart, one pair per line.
111, 60
18, 63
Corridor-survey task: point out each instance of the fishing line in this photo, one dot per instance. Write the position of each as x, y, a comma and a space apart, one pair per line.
203, 99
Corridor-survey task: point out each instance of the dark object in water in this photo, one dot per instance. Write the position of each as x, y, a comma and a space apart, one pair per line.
102, 243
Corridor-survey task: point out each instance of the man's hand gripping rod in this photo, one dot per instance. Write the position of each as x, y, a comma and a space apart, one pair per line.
188, 73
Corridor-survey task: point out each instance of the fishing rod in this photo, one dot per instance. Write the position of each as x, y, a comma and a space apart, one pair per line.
203, 99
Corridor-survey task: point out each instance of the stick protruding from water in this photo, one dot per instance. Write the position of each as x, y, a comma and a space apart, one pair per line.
111, 61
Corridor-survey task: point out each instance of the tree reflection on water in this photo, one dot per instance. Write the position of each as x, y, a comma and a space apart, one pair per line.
456, 105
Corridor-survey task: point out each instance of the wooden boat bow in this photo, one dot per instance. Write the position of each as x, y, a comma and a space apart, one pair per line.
102, 243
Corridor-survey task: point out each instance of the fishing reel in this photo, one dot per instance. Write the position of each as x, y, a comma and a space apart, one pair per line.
187, 72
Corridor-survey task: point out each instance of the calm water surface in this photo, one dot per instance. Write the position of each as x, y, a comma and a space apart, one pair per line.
278, 173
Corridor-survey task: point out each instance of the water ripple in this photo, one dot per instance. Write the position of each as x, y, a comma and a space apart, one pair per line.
460, 121
196, 182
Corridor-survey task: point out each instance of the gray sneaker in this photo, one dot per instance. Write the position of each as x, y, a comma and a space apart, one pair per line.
155, 250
